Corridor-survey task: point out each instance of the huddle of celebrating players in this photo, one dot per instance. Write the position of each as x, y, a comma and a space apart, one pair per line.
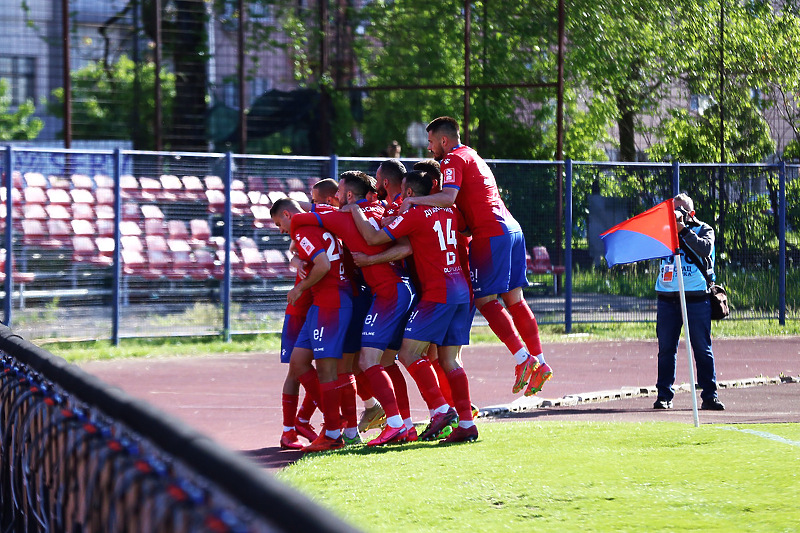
401, 280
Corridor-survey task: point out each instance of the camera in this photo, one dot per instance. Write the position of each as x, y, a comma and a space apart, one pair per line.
681, 214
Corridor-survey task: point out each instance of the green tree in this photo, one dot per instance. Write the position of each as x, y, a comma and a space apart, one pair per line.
19, 125
103, 97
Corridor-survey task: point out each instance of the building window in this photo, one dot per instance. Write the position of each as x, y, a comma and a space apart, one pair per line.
19, 75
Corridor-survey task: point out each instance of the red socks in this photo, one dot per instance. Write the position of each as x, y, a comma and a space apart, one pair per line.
289, 408
310, 382
382, 389
347, 399
400, 390
362, 387
501, 323
526, 325
425, 378
444, 384
460, 385
330, 405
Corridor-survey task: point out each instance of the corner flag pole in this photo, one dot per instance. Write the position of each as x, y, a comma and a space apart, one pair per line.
685, 316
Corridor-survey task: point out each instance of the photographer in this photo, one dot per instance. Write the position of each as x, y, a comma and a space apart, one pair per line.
696, 242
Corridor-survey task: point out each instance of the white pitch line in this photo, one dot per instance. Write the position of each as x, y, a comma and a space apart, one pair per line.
764, 434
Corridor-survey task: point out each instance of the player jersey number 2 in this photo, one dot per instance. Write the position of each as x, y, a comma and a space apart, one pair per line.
446, 238
333, 251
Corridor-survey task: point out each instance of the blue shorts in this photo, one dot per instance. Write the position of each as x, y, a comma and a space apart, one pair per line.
498, 264
323, 331
361, 304
292, 324
386, 319
440, 324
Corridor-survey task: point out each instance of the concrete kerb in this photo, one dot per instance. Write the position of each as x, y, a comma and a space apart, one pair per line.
524, 404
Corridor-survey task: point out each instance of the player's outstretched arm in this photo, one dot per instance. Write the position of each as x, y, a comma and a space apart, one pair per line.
400, 250
304, 219
445, 198
371, 233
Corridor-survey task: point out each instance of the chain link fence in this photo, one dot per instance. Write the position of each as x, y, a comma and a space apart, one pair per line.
132, 244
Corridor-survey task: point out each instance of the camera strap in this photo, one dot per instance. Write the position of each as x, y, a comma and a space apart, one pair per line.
701, 265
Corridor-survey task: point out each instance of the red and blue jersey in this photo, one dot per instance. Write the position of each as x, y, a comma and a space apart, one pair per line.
382, 278
432, 232
478, 198
312, 241
393, 209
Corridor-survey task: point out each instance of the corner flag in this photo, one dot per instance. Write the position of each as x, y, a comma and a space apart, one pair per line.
650, 235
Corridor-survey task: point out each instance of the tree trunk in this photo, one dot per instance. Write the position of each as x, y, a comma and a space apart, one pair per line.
627, 133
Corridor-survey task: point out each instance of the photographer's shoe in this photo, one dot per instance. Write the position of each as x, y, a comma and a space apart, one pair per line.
712, 404
662, 403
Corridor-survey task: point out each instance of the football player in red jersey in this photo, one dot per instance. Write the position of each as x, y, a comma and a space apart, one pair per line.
497, 258
322, 335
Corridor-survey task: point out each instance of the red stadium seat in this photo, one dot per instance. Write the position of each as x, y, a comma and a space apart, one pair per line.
201, 232
193, 188
60, 233
58, 182
34, 195
129, 187
83, 212
154, 226
541, 264
129, 227
278, 263
104, 212
176, 229
103, 181
151, 189
105, 227
152, 211
33, 212
59, 196
35, 179
82, 227
57, 212
82, 181
255, 183
81, 196
216, 201
104, 196
214, 183
171, 187
296, 184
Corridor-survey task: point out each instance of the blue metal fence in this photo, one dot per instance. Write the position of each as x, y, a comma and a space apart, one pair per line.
115, 244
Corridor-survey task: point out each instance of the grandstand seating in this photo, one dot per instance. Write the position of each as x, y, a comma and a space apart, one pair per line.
168, 224
540, 263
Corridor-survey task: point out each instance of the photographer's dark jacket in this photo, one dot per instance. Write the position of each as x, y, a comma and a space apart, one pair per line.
698, 237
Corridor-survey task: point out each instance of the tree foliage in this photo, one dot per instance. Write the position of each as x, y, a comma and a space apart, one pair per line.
19, 125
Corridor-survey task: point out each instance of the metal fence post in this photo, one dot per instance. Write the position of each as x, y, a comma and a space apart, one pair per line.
568, 249
228, 233
8, 283
334, 167
782, 244
676, 178
117, 265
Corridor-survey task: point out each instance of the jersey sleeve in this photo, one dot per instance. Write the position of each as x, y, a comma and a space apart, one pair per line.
309, 245
402, 225
305, 219
452, 171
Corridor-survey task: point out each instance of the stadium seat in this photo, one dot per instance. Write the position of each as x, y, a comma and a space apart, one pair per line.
295, 184
216, 201
261, 216
59, 197
60, 233
206, 266
82, 181
154, 226
274, 196
129, 187
253, 261
102, 181
83, 212
214, 183
542, 264
131, 211
33, 212
84, 250
275, 184
150, 211
104, 212
105, 227
34, 232
181, 254
299, 196
255, 183
34, 179
58, 182
151, 189
133, 262
278, 263
34, 195
105, 246
57, 212
255, 197
131, 242
82, 196
129, 227
82, 227
158, 263
104, 196
192, 188
176, 229
171, 188
237, 185
156, 242
201, 232
239, 201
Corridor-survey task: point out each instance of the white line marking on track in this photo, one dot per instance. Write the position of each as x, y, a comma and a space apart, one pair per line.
764, 434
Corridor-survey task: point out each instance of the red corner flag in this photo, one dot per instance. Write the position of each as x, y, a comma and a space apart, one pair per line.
651, 235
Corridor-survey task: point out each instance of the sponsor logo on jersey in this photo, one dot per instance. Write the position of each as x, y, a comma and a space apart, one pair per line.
449, 175
306, 245
396, 222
